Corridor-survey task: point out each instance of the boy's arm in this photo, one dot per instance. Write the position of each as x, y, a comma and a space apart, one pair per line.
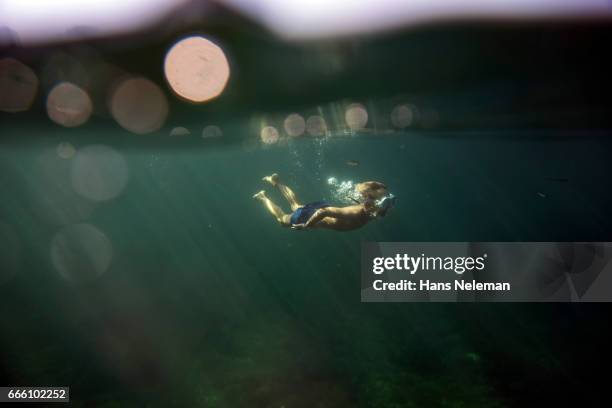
335, 212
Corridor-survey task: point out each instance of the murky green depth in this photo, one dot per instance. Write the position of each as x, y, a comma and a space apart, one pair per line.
208, 303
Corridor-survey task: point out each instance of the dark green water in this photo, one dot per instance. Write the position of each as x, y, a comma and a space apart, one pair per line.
208, 303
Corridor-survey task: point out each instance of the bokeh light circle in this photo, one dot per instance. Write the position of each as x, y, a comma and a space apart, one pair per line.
356, 116
180, 131
18, 86
64, 67
99, 173
81, 253
139, 105
211, 132
51, 198
68, 105
196, 69
269, 135
316, 126
402, 116
294, 125
65, 150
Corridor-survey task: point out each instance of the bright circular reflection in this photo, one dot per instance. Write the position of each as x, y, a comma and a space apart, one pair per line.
294, 125
211, 131
81, 253
356, 116
139, 105
402, 116
196, 69
269, 135
65, 150
18, 86
99, 173
68, 105
316, 126
180, 131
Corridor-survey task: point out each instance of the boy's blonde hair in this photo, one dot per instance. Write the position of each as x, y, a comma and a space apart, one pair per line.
371, 190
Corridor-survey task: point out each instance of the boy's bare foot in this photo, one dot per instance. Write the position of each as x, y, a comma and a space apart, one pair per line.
273, 179
260, 195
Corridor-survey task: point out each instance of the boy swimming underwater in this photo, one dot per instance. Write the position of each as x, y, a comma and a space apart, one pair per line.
375, 202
